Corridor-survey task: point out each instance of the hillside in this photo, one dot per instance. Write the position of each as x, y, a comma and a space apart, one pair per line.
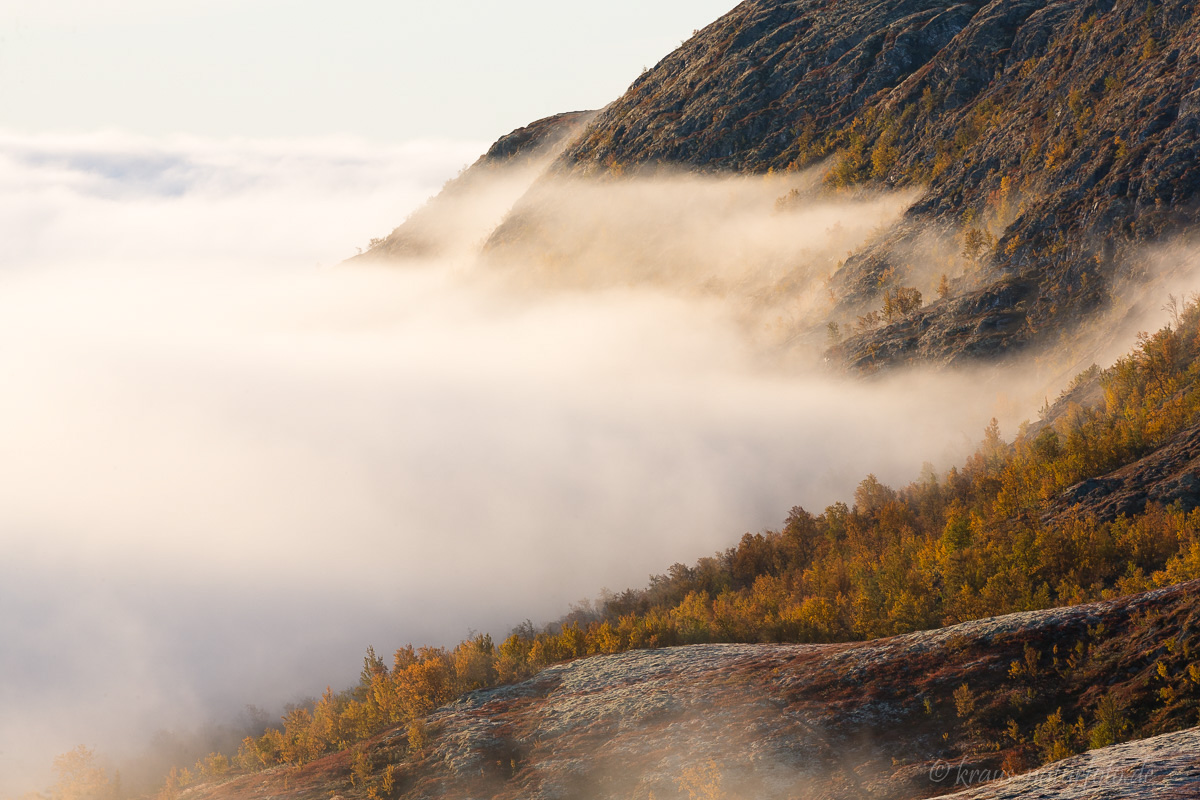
1065, 130
1054, 144
857, 651
839, 720
463, 214
1043, 152
1170, 475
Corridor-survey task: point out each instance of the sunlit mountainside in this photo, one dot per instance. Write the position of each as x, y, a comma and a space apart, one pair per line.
924, 268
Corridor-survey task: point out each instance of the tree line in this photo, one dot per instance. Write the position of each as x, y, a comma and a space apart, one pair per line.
972, 543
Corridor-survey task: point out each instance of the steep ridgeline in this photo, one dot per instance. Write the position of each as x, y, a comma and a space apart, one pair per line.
1055, 138
469, 206
911, 716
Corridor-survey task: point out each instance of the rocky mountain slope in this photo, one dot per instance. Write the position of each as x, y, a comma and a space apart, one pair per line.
1066, 130
1054, 142
907, 717
1053, 147
465, 211
1164, 767
1169, 475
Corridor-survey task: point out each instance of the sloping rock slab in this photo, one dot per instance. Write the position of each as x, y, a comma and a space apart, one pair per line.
1171, 474
856, 720
1166, 767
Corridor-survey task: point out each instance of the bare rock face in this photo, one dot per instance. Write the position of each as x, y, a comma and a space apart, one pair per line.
1169, 475
1164, 767
870, 719
1069, 128
1065, 135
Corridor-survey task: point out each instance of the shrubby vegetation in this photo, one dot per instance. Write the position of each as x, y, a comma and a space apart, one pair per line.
969, 544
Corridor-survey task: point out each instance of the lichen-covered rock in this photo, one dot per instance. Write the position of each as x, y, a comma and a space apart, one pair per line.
1164, 767
878, 719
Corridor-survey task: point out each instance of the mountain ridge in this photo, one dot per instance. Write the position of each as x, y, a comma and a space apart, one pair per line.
1054, 141
1055, 144
434, 229
1089, 110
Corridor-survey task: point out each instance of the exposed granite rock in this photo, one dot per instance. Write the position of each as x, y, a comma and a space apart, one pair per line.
1171, 474
1072, 127
1164, 767
779, 721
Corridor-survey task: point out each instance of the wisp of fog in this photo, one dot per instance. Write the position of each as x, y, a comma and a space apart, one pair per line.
230, 465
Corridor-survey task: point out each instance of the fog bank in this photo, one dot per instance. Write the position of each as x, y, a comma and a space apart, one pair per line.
227, 470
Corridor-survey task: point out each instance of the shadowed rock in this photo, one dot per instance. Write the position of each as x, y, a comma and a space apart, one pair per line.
1171, 474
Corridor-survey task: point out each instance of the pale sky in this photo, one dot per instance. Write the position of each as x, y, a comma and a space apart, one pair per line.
386, 71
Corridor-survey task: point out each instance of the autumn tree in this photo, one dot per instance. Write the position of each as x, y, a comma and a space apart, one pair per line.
975, 242
900, 302
702, 781
79, 776
475, 663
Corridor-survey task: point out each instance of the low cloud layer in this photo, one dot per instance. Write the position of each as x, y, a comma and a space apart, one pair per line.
227, 470
766, 247
112, 199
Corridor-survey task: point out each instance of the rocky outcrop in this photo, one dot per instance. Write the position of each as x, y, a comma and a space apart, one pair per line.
1164, 767
1169, 475
538, 139
977, 326
1063, 136
877, 719
470, 205
1068, 130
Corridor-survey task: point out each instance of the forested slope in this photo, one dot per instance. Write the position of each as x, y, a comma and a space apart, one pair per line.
990, 537
1053, 144
907, 717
